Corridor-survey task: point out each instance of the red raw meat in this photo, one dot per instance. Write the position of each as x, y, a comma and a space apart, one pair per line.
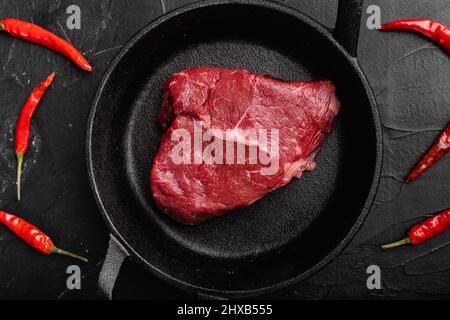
302, 113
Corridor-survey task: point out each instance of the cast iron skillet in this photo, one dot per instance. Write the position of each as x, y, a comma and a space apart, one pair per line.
290, 233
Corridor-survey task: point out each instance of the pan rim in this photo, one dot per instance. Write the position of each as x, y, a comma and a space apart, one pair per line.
135, 256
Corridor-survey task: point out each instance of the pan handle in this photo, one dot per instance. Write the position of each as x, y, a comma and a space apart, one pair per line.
114, 259
348, 25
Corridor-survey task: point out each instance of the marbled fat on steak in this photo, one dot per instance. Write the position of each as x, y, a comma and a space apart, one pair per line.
221, 105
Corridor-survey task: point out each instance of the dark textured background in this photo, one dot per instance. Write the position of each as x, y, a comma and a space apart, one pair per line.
408, 74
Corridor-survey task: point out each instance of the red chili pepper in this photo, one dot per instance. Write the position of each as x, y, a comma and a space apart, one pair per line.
433, 30
33, 236
31, 32
440, 148
23, 124
425, 230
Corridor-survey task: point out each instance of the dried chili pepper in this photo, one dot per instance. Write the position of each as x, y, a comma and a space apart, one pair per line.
425, 230
33, 236
433, 30
33, 33
23, 124
440, 148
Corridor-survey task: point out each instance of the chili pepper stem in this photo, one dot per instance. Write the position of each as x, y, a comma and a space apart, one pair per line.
19, 172
402, 242
59, 251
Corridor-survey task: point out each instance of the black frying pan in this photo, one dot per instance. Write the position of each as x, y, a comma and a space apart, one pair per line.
290, 233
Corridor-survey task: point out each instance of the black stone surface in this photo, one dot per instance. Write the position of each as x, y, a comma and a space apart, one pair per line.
409, 75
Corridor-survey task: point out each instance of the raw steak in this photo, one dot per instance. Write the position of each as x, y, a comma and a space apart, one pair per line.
221, 104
